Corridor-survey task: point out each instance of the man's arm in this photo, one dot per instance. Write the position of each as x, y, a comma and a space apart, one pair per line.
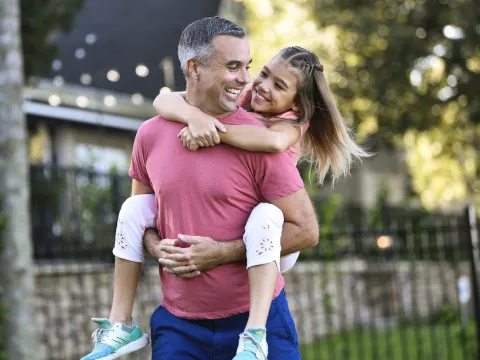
300, 232
139, 189
300, 228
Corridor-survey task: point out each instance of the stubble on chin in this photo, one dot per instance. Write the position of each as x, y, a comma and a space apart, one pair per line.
228, 106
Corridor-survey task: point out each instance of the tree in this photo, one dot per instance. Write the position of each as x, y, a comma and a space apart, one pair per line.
16, 255
404, 71
42, 22
408, 72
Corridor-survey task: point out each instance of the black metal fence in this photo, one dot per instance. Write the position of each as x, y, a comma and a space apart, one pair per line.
388, 283
74, 212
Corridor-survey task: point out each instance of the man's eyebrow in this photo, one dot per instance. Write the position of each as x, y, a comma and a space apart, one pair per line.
237, 62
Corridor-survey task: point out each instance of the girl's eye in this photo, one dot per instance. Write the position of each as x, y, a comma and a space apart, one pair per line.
263, 74
278, 86
248, 67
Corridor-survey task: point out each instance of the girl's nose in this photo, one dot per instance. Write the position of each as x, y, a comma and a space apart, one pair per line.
263, 87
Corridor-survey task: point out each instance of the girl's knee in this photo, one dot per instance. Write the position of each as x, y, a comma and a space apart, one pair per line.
268, 211
135, 205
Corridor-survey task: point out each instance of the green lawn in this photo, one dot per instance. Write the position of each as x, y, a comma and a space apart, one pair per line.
435, 342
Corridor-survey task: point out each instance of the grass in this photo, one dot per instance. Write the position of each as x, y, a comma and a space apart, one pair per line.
423, 342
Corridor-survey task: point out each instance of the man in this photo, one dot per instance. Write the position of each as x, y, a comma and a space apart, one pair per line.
211, 193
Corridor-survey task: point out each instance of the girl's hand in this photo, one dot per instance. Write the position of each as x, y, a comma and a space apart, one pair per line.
204, 130
186, 137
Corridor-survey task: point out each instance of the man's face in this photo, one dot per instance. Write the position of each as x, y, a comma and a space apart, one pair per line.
226, 76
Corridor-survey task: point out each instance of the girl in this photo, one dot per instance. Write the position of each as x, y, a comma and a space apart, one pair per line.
292, 96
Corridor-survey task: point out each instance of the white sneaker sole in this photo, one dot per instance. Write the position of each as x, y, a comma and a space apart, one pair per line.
133, 346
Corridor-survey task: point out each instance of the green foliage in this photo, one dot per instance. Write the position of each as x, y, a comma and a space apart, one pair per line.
447, 314
327, 212
412, 67
426, 342
42, 22
378, 215
465, 335
381, 43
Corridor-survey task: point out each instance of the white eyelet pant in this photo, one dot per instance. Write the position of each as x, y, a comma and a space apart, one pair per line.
262, 233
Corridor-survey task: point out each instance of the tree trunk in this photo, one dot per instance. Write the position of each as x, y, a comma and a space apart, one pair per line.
17, 277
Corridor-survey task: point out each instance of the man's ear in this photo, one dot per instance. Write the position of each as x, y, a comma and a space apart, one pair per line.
193, 68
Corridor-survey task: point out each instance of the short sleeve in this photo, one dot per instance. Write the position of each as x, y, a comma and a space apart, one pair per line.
138, 165
277, 176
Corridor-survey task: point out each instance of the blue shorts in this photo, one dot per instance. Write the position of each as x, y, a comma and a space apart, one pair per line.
174, 338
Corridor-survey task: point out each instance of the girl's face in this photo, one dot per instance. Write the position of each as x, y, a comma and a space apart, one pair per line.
275, 87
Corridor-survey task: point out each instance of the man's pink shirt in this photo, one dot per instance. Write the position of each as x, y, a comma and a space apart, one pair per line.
210, 192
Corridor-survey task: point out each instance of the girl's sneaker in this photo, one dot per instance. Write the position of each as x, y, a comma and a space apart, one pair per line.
252, 345
114, 340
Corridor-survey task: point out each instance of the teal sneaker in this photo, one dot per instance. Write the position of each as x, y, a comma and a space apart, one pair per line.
114, 340
252, 345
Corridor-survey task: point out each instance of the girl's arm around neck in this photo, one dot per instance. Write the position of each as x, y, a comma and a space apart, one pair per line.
277, 138
204, 128
173, 107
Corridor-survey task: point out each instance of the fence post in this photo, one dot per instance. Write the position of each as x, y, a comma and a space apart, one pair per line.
472, 236
116, 193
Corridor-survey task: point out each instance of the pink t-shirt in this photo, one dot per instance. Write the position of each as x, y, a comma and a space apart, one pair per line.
245, 98
208, 193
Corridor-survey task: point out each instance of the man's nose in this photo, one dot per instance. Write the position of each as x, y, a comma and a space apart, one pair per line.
243, 76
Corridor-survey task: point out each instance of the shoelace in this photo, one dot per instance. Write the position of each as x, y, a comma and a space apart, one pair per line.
99, 334
247, 336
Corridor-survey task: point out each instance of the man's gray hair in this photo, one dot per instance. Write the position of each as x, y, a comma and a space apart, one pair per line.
196, 40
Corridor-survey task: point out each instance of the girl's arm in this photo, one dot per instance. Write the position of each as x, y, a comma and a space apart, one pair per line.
277, 138
203, 127
173, 106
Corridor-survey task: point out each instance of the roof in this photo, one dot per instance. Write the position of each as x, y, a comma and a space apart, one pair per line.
135, 40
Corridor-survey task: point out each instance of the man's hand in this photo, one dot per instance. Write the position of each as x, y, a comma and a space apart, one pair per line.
203, 254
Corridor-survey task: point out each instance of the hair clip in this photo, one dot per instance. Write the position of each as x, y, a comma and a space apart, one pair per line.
313, 67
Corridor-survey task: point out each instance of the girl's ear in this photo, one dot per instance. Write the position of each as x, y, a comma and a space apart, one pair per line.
295, 108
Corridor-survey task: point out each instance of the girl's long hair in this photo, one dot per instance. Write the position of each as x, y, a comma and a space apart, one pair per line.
329, 143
